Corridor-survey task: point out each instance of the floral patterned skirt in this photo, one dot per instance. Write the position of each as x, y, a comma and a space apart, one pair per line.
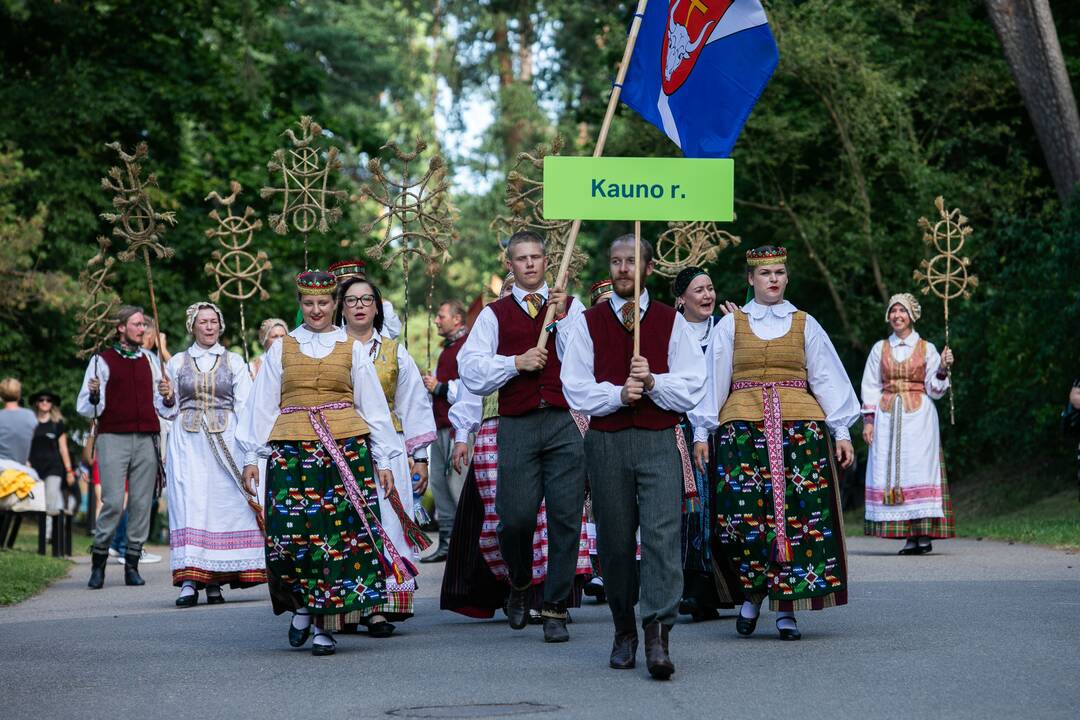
745, 529
318, 553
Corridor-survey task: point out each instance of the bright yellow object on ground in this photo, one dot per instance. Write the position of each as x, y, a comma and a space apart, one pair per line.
16, 481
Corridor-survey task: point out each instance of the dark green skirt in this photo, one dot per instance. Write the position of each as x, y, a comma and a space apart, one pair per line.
318, 554
746, 533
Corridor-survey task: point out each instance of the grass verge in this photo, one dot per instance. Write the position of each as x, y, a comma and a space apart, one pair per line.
24, 573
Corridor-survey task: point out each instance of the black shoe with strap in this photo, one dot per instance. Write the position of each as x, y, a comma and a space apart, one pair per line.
191, 600
380, 628
323, 649
298, 636
131, 570
925, 549
791, 633
745, 626
98, 561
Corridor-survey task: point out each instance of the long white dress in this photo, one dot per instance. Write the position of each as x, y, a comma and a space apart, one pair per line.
213, 534
913, 456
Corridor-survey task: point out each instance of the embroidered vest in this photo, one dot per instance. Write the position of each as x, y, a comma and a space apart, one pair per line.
308, 382
906, 379
386, 365
205, 394
757, 360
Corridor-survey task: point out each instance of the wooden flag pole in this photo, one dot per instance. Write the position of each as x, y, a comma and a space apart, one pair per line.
637, 287
613, 103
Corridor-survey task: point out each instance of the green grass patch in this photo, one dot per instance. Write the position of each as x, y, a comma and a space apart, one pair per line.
1032, 505
24, 573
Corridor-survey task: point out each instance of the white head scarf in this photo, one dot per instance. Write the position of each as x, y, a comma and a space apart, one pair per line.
908, 302
194, 309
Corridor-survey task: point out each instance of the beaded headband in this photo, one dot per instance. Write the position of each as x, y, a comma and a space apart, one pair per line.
775, 256
600, 287
347, 268
315, 282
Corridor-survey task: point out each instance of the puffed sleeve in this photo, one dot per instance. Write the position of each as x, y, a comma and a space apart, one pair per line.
466, 414
242, 384
871, 380
412, 402
718, 356
482, 369
261, 411
829, 381
370, 402
100, 369
680, 389
172, 370
935, 388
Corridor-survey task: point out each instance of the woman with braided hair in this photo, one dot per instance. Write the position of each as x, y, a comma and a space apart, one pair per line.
214, 537
907, 496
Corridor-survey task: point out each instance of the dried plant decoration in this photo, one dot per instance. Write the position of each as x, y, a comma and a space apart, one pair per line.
684, 244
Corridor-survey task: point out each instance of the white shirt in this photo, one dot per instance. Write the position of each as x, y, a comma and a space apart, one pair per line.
482, 370
264, 403
825, 373
700, 330
100, 369
901, 351
466, 414
412, 402
677, 390
205, 359
391, 322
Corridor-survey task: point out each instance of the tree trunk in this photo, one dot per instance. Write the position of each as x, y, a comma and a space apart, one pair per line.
1030, 41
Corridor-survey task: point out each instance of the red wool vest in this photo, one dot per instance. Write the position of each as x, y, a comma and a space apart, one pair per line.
613, 347
129, 396
445, 371
518, 333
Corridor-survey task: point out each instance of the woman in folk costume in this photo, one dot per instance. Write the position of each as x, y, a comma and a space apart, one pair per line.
361, 308
907, 496
695, 298
214, 534
476, 581
775, 391
318, 417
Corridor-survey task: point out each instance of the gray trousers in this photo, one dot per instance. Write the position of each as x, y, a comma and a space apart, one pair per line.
541, 458
446, 483
636, 480
129, 457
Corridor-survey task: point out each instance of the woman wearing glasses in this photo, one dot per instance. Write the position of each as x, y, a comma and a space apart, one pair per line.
362, 313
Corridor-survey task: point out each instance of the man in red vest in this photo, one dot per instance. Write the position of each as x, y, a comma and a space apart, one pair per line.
445, 482
635, 469
540, 447
118, 392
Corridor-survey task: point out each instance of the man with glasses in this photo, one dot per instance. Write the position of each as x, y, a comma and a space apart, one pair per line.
118, 392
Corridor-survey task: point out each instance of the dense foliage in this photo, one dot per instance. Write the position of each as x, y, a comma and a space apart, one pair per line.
875, 109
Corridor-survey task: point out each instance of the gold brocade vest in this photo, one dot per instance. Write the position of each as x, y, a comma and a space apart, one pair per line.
906, 379
307, 382
386, 365
757, 360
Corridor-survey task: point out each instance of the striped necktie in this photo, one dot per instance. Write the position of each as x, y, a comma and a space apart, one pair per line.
534, 301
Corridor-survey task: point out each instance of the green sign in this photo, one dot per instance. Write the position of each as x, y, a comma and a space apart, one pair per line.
621, 188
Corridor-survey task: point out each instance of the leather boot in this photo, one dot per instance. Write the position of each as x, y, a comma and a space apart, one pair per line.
131, 570
516, 607
98, 561
624, 649
555, 617
656, 651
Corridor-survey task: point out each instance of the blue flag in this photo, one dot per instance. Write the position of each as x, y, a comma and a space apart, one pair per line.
698, 68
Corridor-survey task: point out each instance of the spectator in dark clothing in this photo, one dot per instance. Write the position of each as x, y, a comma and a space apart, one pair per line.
49, 454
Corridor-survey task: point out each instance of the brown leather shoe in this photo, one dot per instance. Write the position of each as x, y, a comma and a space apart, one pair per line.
624, 649
656, 651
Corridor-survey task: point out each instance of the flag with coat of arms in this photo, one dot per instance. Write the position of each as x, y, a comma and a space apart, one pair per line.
698, 68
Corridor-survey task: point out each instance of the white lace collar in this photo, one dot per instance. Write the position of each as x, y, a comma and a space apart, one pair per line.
323, 339
197, 351
909, 341
758, 311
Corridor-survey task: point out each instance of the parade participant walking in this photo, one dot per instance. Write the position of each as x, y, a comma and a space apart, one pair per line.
361, 307
775, 382
346, 269
318, 418
907, 495
540, 447
444, 480
695, 299
270, 329
635, 471
214, 536
118, 390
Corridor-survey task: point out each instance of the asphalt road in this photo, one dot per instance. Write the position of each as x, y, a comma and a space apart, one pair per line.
977, 630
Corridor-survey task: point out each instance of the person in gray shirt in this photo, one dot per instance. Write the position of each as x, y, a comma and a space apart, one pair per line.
17, 424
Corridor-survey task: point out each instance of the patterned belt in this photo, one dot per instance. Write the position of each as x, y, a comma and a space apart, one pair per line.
403, 569
774, 442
